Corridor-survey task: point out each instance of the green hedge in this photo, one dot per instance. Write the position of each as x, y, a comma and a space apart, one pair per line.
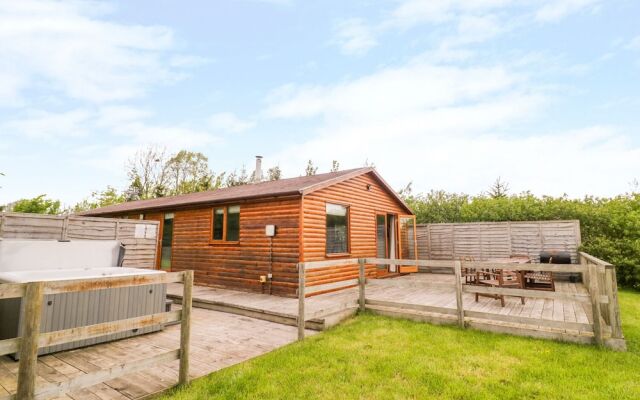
610, 227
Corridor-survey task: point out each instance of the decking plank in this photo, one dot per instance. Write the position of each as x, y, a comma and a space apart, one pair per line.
218, 340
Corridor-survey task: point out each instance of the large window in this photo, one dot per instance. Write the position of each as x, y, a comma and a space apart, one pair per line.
226, 224
337, 229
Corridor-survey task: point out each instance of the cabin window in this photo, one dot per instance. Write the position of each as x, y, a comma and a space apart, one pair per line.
218, 224
337, 229
226, 224
233, 223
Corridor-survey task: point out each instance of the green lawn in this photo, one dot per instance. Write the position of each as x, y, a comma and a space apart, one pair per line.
371, 357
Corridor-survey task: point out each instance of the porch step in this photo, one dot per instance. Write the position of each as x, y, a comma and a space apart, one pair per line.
317, 324
390, 275
414, 315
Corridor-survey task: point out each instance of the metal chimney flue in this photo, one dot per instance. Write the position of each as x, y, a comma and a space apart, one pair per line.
257, 174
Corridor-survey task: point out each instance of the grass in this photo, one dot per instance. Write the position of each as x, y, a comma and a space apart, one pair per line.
372, 357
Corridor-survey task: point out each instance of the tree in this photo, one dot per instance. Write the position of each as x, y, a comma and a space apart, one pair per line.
635, 185
499, 189
1, 207
406, 192
335, 166
274, 173
189, 172
369, 164
311, 169
107, 197
237, 179
148, 174
37, 205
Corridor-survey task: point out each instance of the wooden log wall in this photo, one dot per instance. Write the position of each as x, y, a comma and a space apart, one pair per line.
484, 240
239, 265
363, 206
139, 237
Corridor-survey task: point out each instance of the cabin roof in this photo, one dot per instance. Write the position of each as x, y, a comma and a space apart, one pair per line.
284, 187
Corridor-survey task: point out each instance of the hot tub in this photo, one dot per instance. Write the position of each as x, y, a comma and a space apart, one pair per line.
70, 310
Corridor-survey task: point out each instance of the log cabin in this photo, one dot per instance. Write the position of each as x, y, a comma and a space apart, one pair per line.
251, 237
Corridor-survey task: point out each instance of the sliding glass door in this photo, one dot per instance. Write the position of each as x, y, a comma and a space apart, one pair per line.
167, 241
408, 242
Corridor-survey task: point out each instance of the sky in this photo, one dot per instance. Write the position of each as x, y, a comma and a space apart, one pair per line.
445, 94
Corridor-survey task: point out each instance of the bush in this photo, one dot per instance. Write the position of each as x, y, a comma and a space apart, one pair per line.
610, 227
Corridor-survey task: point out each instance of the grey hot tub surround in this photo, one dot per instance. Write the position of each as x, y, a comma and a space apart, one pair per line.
31, 260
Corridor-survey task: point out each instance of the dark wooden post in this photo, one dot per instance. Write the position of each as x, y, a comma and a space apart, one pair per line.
185, 327
457, 270
301, 284
64, 234
29, 343
362, 280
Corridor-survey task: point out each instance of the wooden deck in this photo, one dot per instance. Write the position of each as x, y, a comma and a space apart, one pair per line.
331, 308
543, 318
544, 309
221, 339
418, 293
218, 340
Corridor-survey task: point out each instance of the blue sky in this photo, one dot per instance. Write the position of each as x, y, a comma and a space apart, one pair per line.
442, 93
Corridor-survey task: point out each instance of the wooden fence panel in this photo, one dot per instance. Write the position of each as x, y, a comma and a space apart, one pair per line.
139, 236
484, 240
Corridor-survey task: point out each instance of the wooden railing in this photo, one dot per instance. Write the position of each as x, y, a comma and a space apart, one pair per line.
601, 281
304, 290
599, 278
32, 339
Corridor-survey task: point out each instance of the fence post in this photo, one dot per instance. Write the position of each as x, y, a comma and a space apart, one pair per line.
595, 302
301, 284
612, 294
457, 269
3, 221
361, 282
29, 344
185, 327
585, 273
64, 235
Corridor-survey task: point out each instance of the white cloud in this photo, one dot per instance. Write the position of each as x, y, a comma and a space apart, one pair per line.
354, 37
413, 12
38, 124
66, 48
104, 124
634, 44
390, 92
554, 11
456, 23
452, 128
227, 122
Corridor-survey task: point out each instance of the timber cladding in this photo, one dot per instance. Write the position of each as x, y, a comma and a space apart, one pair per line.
297, 208
139, 237
365, 197
240, 264
484, 240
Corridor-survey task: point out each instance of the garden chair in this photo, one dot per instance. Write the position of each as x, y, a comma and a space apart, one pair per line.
498, 278
468, 274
